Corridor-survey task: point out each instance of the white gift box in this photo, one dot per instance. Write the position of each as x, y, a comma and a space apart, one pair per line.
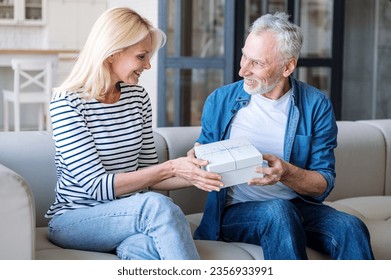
235, 159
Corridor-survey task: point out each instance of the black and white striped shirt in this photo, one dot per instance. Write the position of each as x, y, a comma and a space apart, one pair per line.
96, 140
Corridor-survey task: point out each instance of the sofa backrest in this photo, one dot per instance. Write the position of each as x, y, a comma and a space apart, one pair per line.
360, 161
384, 125
363, 159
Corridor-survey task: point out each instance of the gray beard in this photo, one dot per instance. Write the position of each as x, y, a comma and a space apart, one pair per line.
260, 89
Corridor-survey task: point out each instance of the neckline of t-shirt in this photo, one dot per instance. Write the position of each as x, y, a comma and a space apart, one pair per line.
275, 101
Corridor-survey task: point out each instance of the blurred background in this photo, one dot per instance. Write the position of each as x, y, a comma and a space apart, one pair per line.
346, 51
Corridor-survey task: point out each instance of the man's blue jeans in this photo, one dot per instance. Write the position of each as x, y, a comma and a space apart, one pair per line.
284, 228
142, 226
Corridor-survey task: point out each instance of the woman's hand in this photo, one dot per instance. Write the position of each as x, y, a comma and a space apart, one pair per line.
189, 168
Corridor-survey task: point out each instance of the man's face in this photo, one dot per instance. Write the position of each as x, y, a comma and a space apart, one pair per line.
261, 64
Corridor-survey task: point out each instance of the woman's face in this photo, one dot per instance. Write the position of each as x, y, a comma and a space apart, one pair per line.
127, 65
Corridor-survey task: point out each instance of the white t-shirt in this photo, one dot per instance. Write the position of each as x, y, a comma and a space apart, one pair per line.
263, 122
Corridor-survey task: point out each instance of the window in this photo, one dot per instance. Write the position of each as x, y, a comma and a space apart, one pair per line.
22, 12
197, 58
204, 44
321, 59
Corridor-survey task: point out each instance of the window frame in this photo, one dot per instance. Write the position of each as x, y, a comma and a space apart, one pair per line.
178, 62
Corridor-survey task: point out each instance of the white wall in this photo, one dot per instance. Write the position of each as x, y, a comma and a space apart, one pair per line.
69, 22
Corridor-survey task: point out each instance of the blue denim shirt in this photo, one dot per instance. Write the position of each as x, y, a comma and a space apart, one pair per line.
310, 139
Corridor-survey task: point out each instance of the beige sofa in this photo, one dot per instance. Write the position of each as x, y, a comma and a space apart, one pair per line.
28, 176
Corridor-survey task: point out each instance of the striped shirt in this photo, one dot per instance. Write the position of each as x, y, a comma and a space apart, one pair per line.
94, 141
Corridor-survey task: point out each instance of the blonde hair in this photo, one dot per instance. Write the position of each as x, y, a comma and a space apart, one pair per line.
115, 30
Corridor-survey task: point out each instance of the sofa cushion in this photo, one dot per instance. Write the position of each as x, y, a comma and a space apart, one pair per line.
209, 249
68, 254
375, 212
219, 250
45, 250
368, 207
385, 127
361, 147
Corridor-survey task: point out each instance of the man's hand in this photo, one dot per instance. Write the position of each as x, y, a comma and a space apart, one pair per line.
271, 174
302, 181
191, 152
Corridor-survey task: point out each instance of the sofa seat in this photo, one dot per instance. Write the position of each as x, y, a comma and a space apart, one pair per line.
375, 212
208, 250
46, 250
253, 251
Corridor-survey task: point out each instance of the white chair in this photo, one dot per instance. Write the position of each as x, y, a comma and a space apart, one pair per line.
33, 82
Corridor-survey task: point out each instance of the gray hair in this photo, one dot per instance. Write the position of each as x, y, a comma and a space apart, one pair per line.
288, 34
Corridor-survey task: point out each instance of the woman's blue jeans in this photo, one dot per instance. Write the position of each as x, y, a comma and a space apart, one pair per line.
142, 226
284, 228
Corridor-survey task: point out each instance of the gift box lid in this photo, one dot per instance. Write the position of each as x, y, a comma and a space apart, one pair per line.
228, 155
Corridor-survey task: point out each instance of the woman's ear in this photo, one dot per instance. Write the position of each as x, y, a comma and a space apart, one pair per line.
110, 59
290, 66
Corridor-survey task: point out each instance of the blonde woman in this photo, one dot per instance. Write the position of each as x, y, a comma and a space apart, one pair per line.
105, 153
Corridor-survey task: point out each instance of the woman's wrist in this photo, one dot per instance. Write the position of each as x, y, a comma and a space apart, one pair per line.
169, 169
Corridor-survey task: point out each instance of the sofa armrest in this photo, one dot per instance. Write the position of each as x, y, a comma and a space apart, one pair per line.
178, 139
17, 217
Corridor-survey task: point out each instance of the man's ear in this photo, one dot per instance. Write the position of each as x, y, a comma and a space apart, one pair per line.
290, 66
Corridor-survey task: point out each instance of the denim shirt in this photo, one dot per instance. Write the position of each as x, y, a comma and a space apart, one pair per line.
310, 139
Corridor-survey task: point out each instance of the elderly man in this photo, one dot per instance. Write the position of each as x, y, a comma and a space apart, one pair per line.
293, 125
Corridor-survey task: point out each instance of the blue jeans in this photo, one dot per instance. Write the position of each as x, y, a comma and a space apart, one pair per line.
284, 228
142, 226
